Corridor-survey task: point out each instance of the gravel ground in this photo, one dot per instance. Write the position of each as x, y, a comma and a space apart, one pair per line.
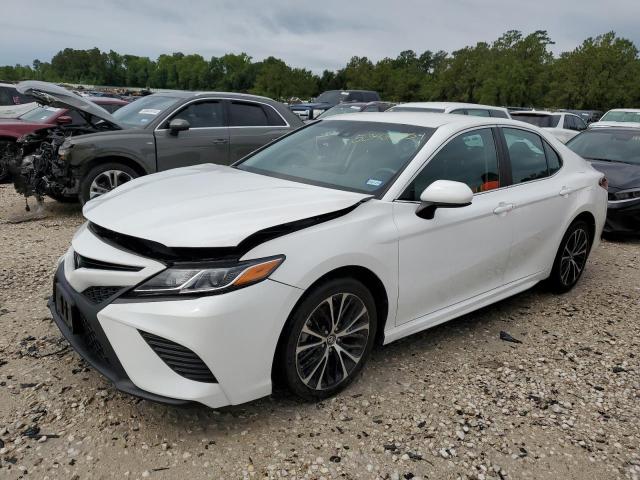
453, 402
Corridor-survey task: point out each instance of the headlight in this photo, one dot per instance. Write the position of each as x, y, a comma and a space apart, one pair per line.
198, 279
626, 195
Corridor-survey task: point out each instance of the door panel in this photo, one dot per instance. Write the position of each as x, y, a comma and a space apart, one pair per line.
461, 253
207, 141
540, 206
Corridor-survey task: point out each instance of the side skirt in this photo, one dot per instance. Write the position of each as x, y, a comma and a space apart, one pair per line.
462, 308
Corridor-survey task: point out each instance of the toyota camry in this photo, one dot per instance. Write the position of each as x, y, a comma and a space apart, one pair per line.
210, 283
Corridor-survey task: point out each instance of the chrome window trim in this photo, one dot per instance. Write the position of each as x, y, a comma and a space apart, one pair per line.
200, 99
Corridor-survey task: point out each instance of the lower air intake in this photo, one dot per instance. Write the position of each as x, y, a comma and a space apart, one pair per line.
179, 359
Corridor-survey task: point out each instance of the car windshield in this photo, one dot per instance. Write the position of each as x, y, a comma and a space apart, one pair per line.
340, 109
144, 110
400, 108
609, 145
347, 155
542, 121
333, 96
621, 116
41, 114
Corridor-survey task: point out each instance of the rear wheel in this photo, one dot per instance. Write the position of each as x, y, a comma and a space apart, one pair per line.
571, 257
328, 339
104, 178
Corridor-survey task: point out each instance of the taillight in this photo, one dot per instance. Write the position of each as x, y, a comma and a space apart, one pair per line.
604, 183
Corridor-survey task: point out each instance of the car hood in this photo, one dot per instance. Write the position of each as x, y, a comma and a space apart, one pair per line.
210, 205
621, 176
56, 96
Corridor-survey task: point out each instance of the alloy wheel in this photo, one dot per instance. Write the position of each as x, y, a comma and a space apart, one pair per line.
107, 181
574, 256
333, 341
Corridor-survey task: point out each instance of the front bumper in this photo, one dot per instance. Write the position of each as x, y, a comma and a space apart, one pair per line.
234, 334
623, 217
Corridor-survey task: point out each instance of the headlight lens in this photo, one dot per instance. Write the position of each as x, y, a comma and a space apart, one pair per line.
627, 195
203, 280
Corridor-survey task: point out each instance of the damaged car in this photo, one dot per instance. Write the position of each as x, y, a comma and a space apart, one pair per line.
157, 132
41, 123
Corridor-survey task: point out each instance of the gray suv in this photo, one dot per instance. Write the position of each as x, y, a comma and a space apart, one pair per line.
155, 133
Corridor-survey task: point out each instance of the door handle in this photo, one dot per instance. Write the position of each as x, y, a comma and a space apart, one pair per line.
503, 208
565, 191
219, 141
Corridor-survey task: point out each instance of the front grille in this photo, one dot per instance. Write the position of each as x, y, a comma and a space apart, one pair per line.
81, 261
179, 359
100, 294
90, 339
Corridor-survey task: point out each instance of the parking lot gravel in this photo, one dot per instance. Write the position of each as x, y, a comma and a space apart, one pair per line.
457, 401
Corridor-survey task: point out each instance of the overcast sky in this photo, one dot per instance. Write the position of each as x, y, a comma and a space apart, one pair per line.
313, 34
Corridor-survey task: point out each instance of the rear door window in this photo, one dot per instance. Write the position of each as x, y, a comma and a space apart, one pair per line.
477, 112
526, 155
246, 114
498, 114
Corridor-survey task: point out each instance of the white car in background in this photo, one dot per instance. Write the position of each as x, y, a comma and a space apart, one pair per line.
621, 115
471, 109
13, 103
206, 283
564, 126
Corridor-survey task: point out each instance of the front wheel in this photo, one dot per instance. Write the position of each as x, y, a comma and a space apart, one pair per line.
571, 257
104, 178
328, 339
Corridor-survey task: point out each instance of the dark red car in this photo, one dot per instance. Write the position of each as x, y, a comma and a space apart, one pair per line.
46, 117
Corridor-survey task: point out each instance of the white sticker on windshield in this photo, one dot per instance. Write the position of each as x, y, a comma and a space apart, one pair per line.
149, 111
374, 183
52, 109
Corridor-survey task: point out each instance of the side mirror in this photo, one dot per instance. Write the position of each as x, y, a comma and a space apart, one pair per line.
443, 194
178, 125
64, 120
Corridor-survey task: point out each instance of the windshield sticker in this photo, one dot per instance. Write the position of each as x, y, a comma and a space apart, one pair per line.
149, 111
374, 183
52, 109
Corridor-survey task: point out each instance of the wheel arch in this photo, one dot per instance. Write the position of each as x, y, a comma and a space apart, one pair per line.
128, 161
363, 274
590, 220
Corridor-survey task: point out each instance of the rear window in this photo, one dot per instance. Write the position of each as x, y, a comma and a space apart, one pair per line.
543, 121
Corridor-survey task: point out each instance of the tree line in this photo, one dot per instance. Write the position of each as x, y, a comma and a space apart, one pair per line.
514, 70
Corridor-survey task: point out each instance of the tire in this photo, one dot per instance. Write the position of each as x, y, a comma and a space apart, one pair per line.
315, 362
104, 175
571, 258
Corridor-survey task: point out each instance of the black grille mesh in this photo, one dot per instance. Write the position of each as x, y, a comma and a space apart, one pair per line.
100, 294
179, 359
91, 340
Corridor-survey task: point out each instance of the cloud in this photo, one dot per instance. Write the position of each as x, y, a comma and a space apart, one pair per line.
315, 35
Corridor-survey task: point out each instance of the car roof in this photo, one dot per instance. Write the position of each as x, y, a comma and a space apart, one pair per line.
190, 94
611, 124
445, 105
422, 119
11, 85
631, 110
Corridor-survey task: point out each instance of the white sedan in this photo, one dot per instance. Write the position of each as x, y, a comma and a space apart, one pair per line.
564, 126
208, 283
